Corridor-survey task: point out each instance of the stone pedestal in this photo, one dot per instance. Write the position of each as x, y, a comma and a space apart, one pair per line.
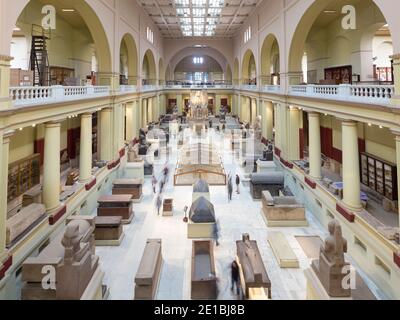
315, 289
134, 170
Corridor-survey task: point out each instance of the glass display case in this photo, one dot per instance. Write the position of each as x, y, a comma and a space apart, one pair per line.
23, 175
379, 175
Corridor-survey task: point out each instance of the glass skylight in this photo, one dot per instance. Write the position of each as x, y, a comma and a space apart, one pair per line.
199, 18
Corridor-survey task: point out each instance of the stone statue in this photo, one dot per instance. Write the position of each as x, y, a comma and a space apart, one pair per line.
78, 266
71, 242
331, 266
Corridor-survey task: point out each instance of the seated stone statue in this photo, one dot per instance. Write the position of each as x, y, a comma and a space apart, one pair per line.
331, 264
78, 266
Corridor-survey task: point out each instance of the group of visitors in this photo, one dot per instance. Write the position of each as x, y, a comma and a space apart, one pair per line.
230, 186
162, 184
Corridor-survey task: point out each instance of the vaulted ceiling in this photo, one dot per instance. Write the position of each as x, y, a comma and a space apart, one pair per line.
199, 18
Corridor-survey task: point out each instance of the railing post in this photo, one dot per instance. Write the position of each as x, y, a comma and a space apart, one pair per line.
310, 89
57, 92
90, 90
344, 90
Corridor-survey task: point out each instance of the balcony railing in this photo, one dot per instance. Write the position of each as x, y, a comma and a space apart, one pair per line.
271, 88
44, 95
369, 94
249, 87
127, 88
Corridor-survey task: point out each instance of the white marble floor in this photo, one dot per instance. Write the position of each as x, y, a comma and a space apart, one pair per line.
242, 215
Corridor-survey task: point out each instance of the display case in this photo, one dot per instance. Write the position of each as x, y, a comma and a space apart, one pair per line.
379, 175
23, 175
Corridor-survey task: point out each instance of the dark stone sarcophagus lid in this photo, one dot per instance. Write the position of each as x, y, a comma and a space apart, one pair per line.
202, 211
253, 270
268, 178
201, 186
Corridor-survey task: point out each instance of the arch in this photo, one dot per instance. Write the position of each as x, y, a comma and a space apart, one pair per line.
236, 76
270, 58
86, 10
206, 51
312, 12
249, 68
128, 43
211, 69
149, 71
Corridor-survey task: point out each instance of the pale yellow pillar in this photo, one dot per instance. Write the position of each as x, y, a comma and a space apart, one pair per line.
398, 167
276, 120
130, 121
105, 134
396, 71
351, 166
179, 103
150, 114
5, 101
269, 120
294, 139
144, 113
4, 152
51, 166
315, 145
85, 156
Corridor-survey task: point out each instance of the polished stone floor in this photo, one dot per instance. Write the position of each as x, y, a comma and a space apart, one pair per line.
242, 215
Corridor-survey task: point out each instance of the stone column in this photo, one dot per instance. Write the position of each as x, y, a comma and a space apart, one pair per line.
396, 70
130, 121
4, 156
269, 120
51, 166
398, 167
276, 120
315, 145
105, 134
150, 111
144, 113
85, 156
179, 103
294, 139
351, 166
5, 101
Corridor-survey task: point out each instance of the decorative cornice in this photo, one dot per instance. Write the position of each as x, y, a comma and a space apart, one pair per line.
6, 58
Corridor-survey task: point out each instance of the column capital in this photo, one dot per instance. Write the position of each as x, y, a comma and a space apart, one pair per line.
7, 135
313, 114
349, 123
53, 124
87, 115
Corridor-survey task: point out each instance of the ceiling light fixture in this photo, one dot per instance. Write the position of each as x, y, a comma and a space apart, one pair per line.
68, 10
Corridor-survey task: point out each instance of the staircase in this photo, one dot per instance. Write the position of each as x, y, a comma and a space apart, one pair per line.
39, 61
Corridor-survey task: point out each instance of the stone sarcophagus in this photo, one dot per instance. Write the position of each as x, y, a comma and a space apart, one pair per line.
116, 205
204, 281
128, 186
109, 231
271, 181
252, 270
283, 211
148, 274
69, 262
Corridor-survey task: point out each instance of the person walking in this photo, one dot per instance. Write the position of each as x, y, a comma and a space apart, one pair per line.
235, 277
216, 233
158, 204
237, 184
230, 188
154, 183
